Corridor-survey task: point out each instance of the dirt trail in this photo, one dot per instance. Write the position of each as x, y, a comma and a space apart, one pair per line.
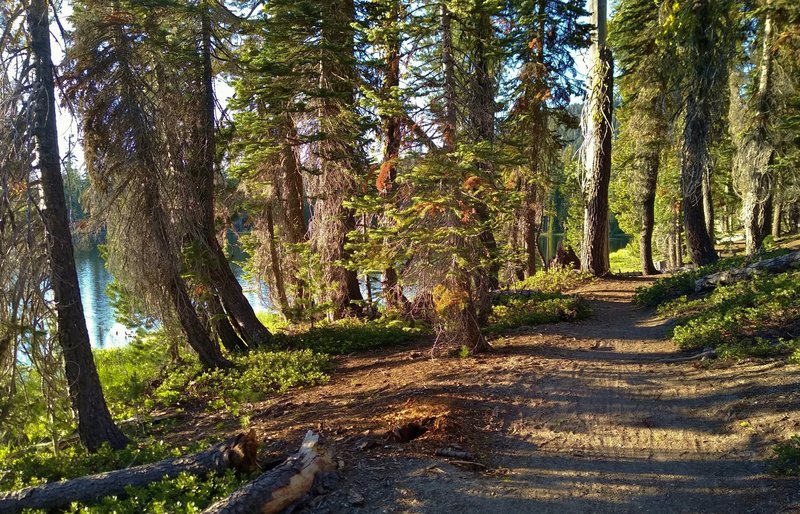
576, 417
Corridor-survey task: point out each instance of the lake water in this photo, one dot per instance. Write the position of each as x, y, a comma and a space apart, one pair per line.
105, 332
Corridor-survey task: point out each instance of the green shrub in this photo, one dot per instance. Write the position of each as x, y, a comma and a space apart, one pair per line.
182, 494
625, 260
257, 374
353, 335
742, 319
682, 283
514, 310
554, 280
788, 457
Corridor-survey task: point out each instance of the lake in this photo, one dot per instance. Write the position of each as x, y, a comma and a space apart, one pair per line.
105, 332
93, 277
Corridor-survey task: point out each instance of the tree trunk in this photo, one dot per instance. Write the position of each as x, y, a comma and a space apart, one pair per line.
228, 288
651, 165
238, 453
392, 139
296, 226
594, 250
708, 202
275, 263
279, 488
777, 214
95, 425
223, 328
695, 160
339, 159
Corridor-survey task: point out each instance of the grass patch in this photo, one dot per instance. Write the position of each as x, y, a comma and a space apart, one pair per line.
787, 460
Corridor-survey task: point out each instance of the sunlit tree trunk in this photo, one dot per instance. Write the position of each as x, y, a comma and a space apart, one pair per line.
757, 154
594, 250
95, 425
467, 320
339, 159
482, 125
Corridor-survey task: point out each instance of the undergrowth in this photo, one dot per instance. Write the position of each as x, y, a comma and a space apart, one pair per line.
624, 260
534, 308
787, 461
749, 318
683, 282
183, 494
554, 280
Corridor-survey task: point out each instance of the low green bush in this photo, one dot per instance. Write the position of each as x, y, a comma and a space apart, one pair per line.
352, 335
624, 260
742, 319
554, 280
182, 494
257, 374
682, 283
514, 310
787, 460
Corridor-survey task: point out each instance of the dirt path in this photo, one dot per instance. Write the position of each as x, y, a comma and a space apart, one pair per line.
565, 418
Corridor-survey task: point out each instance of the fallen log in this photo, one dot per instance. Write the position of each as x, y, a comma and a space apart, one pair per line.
282, 486
237, 453
731, 276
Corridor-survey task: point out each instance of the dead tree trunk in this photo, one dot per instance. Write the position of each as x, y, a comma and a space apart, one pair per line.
237, 453
282, 486
95, 425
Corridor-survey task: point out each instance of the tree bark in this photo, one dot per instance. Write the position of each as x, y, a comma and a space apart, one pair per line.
708, 201
695, 160
651, 165
237, 453
282, 486
223, 328
594, 250
227, 287
339, 159
392, 139
698, 117
95, 425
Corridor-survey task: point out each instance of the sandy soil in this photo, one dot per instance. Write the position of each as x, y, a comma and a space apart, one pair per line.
572, 417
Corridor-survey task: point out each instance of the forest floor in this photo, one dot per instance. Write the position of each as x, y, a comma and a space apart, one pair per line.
570, 417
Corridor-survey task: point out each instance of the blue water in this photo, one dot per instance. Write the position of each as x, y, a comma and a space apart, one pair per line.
104, 330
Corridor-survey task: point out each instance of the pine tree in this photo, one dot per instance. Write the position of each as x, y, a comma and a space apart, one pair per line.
95, 425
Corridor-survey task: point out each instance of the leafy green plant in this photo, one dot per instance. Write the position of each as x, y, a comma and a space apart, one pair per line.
788, 457
511, 310
554, 280
682, 283
743, 319
183, 494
